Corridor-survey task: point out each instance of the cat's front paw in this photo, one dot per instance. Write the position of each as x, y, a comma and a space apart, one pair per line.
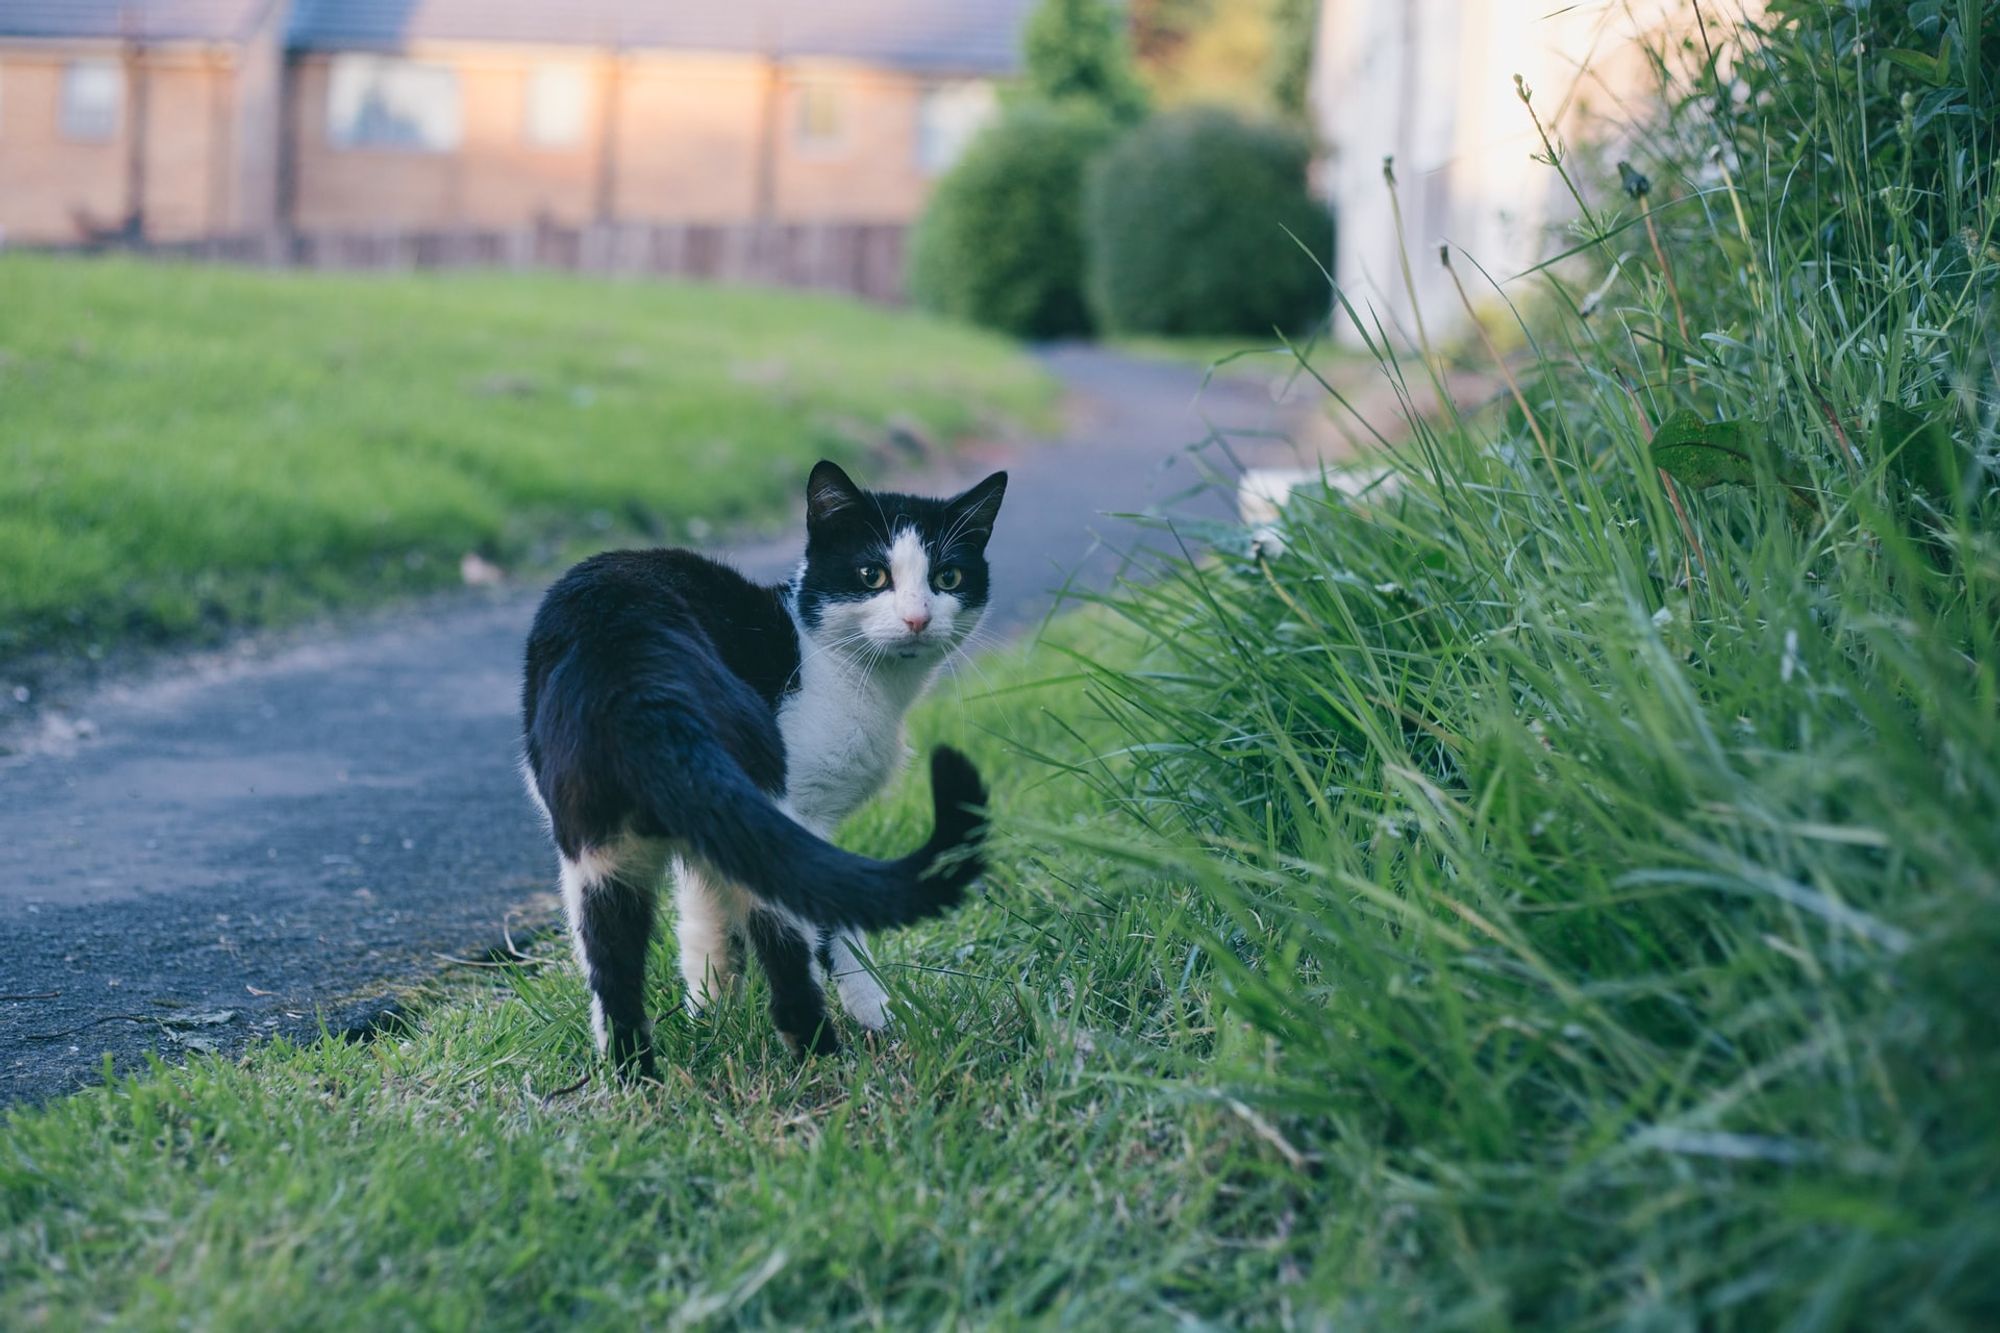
866, 1002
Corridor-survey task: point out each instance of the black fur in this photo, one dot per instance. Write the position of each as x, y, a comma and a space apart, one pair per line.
649, 708
638, 718
798, 1008
616, 927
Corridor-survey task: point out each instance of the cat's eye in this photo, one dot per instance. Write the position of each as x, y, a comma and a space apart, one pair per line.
947, 579
874, 577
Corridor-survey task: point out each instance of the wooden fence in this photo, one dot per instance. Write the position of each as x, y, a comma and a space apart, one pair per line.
858, 258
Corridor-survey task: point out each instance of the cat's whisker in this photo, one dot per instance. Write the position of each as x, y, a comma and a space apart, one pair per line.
957, 669
965, 655
832, 646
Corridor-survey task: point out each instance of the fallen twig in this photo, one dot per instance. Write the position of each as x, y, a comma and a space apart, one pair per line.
517, 961
507, 935
108, 1018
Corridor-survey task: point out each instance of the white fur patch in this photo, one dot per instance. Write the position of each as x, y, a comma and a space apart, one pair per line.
575, 884
910, 580
527, 772
861, 993
706, 909
843, 730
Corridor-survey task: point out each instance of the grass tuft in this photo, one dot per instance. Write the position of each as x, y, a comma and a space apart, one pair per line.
1598, 863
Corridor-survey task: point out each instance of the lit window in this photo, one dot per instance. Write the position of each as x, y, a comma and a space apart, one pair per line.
380, 102
558, 106
93, 99
950, 116
822, 124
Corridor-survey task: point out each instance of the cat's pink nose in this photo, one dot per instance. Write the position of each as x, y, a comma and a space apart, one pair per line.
918, 621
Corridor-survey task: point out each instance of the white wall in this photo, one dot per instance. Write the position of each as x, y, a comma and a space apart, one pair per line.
1431, 83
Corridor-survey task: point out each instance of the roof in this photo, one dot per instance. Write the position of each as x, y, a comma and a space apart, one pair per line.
971, 36
159, 20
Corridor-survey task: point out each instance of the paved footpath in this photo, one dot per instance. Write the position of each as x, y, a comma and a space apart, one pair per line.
282, 835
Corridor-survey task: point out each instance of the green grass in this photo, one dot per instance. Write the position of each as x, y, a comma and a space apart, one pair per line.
1607, 870
1541, 898
987, 1164
186, 448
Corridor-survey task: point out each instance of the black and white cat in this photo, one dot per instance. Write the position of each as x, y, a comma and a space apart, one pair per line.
678, 715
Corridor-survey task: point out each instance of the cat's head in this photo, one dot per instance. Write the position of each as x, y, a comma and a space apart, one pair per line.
894, 577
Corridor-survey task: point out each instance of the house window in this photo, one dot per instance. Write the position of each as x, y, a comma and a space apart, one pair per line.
950, 116
381, 102
822, 123
558, 106
93, 99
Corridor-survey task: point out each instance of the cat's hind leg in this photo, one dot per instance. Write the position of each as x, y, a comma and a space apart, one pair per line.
708, 927
861, 994
608, 894
798, 1007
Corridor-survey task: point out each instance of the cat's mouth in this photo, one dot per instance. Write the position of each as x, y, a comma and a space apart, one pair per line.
913, 646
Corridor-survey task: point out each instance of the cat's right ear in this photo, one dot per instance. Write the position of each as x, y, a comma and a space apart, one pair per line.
828, 491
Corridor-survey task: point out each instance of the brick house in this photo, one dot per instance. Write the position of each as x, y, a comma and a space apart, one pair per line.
175, 119
158, 113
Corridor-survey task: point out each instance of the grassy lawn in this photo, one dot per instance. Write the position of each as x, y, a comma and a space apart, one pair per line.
989, 1163
1561, 893
186, 448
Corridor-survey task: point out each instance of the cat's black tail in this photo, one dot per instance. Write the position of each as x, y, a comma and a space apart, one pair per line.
737, 829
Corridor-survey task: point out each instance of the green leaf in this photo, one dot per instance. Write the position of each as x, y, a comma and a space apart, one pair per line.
1700, 454
1931, 69
1917, 445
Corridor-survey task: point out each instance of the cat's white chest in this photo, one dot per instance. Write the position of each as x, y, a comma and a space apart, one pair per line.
843, 732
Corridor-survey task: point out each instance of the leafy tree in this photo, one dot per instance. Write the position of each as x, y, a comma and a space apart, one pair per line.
1252, 55
1080, 51
1288, 72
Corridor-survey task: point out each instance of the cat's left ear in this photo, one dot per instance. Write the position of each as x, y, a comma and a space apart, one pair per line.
973, 510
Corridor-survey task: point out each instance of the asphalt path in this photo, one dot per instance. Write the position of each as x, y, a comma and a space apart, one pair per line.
284, 835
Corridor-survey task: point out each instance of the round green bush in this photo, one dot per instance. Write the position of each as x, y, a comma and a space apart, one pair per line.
1185, 220
1001, 242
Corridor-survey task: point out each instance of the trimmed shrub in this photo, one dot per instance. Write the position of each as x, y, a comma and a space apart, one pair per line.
1185, 221
1001, 243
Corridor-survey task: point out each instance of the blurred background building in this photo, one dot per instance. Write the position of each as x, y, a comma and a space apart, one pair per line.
171, 120
772, 140
1430, 85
